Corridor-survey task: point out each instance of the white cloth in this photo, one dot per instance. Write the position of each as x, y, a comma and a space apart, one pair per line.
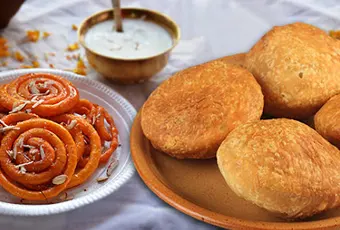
210, 29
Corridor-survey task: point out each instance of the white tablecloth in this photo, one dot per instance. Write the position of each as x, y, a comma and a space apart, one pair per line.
210, 29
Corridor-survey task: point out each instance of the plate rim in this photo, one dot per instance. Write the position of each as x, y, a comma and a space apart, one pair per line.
126, 173
185, 206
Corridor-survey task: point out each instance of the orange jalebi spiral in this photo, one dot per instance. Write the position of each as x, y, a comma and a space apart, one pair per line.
97, 115
94, 144
106, 135
78, 138
3, 109
84, 157
49, 152
14, 118
85, 107
44, 94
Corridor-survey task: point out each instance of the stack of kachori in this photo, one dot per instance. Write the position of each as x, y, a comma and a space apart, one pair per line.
279, 164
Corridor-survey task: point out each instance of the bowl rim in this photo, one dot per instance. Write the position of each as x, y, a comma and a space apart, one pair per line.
175, 39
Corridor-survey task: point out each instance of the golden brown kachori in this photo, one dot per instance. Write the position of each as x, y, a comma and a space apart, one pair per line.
327, 120
297, 66
190, 114
281, 165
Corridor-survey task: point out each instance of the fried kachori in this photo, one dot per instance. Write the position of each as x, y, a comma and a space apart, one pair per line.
190, 114
297, 66
281, 165
327, 120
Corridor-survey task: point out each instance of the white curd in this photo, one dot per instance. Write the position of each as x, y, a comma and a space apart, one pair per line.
140, 39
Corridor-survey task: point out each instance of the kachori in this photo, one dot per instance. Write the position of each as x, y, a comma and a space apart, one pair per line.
327, 120
190, 114
297, 66
281, 165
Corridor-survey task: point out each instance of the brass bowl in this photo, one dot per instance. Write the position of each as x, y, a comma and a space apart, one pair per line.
128, 71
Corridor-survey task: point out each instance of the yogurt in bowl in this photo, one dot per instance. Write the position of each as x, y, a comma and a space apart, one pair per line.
140, 39
131, 56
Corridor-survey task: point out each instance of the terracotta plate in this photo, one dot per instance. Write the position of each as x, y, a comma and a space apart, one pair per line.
197, 188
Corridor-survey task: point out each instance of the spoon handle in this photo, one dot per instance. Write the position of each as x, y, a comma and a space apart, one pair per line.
117, 15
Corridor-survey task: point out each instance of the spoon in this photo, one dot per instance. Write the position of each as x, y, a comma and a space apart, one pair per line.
117, 15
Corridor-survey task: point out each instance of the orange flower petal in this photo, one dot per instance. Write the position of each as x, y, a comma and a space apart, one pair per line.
35, 64
46, 34
80, 64
33, 35
3, 47
26, 67
80, 71
18, 56
4, 53
73, 47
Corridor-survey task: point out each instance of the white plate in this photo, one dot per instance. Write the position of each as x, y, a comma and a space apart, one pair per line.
123, 114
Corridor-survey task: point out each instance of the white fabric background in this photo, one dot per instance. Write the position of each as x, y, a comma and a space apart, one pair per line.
210, 29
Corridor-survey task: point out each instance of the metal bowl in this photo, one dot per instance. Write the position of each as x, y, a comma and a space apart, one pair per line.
128, 71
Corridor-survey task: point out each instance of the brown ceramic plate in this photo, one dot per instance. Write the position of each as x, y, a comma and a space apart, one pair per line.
196, 188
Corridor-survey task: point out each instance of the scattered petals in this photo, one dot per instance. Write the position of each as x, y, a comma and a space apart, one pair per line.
35, 64
80, 71
26, 67
81, 68
51, 66
81, 64
3, 48
18, 56
74, 27
4, 53
73, 47
33, 35
46, 34
3, 41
